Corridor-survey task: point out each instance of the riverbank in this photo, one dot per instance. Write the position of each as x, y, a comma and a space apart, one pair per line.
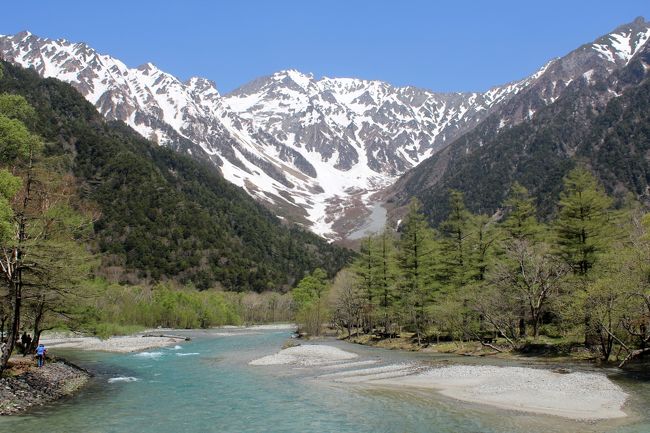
149, 339
558, 351
573, 395
125, 344
25, 385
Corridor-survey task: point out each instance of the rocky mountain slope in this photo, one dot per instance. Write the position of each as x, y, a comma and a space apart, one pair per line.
600, 120
163, 215
317, 151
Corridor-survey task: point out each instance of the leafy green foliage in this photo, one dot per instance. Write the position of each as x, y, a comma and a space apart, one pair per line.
310, 289
16, 107
521, 214
456, 261
517, 279
9, 186
112, 308
415, 260
308, 298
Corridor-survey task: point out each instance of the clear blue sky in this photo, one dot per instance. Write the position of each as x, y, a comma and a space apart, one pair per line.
446, 45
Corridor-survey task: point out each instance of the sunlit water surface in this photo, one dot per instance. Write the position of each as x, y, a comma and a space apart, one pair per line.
206, 385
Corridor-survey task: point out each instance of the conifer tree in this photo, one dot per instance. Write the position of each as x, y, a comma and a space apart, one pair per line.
455, 232
582, 226
520, 221
483, 238
386, 276
583, 229
416, 258
367, 271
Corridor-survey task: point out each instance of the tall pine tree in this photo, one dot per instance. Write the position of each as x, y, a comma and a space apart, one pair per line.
582, 226
455, 232
521, 221
583, 230
416, 258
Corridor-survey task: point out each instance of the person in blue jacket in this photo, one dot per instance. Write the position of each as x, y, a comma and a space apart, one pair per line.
40, 354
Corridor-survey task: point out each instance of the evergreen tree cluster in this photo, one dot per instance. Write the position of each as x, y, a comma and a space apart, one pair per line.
512, 279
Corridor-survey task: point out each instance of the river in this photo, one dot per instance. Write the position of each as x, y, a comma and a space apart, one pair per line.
207, 385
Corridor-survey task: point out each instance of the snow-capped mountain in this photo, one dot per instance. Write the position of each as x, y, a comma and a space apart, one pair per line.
316, 150
598, 122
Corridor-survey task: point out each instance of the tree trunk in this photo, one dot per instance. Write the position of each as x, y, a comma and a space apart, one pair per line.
14, 331
606, 344
536, 327
522, 326
3, 322
36, 340
39, 313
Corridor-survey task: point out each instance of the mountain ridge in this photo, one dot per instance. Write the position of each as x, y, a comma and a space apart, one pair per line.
582, 126
317, 151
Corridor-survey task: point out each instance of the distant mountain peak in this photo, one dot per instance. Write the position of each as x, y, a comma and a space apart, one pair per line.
624, 42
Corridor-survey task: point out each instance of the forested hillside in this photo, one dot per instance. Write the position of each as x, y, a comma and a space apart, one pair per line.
164, 215
603, 124
576, 285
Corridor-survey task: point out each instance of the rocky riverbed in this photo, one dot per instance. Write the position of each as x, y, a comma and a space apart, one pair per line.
25, 385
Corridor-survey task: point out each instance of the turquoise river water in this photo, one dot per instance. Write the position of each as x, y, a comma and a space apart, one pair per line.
206, 385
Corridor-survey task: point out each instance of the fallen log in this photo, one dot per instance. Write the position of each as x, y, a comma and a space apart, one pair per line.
633, 354
178, 337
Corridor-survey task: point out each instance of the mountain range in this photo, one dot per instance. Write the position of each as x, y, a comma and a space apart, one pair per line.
322, 151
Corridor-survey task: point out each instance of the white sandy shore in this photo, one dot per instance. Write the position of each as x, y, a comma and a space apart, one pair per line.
132, 343
580, 396
306, 356
137, 343
588, 396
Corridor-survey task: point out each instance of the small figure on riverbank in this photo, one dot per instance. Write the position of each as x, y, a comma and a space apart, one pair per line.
40, 354
26, 341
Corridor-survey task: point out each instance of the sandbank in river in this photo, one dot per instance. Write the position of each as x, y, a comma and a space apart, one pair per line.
573, 395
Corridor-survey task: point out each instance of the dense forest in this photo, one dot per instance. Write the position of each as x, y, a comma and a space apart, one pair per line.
162, 215
509, 282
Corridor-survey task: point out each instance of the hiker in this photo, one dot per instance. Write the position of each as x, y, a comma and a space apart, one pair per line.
26, 341
28, 344
40, 354
23, 340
